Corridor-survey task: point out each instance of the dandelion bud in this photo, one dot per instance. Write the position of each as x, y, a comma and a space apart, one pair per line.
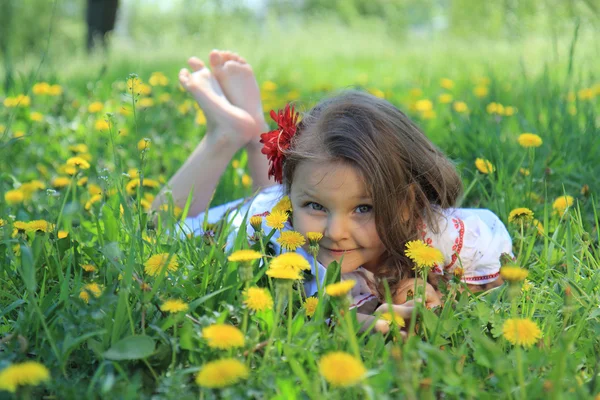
458, 273
256, 222
313, 241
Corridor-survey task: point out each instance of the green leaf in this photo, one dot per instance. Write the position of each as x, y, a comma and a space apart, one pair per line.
131, 348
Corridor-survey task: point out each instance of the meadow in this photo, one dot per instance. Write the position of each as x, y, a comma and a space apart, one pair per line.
100, 301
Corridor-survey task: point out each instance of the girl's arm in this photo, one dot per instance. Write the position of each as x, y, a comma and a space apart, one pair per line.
258, 163
200, 172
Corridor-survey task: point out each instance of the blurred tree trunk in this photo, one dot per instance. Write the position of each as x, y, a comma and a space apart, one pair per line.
100, 17
6, 18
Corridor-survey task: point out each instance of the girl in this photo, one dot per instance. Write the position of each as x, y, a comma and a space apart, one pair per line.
356, 169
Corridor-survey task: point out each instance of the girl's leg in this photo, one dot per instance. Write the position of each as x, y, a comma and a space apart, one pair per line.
229, 128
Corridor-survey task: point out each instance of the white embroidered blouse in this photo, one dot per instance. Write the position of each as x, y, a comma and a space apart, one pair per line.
473, 239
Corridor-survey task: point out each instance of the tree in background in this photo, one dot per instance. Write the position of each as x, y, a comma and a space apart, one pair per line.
100, 17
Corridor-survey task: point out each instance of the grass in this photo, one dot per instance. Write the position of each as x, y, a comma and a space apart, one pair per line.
122, 344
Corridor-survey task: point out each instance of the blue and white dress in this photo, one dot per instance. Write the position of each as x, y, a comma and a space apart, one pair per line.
473, 239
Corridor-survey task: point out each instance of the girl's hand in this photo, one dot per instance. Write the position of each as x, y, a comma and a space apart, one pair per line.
432, 298
403, 310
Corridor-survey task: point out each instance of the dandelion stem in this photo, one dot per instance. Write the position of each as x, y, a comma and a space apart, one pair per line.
290, 306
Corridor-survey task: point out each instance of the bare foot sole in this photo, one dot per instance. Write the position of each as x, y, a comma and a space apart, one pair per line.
235, 123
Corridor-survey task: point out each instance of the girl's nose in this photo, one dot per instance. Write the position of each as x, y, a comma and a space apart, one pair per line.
337, 228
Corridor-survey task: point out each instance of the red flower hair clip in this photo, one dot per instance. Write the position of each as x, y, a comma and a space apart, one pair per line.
277, 141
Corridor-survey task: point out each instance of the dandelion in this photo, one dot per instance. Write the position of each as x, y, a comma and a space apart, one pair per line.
101, 125
481, 91
445, 98
561, 204
290, 261
40, 88
13, 197
539, 226
424, 105
393, 318
256, 222
340, 289
446, 83
341, 369
200, 118
30, 373
78, 162
157, 262
55, 90
244, 256
93, 200
258, 299
527, 140
88, 268
246, 180
521, 332
146, 102
158, 79
527, 286
36, 116
276, 219
284, 273
60, 182
2, 222
520, 215
62, 234
39, 225
423, 255
291, 240
284, 205
513, 273
310, 306
92, 288
460, 107
458, 273
484, 166
524, 171
95, 107
314, 238
174, 306
143, 144
223, 336
222, 373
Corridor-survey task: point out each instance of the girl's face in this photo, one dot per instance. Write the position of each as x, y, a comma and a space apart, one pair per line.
331, 198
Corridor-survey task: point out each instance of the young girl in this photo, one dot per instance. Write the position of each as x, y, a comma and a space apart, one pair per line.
356, 169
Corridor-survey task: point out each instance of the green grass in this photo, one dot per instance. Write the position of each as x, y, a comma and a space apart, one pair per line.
120, 344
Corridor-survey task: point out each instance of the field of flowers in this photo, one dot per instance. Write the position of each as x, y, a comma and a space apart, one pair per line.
98, 300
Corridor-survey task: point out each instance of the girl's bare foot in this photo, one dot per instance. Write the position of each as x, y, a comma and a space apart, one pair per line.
238, 82
231, 124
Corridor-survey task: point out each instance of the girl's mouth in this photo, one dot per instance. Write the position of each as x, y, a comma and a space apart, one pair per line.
339, 252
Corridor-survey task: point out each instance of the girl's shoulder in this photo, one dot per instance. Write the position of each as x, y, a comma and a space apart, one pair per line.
472, 239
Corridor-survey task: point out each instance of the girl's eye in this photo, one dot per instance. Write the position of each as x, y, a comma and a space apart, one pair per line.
364, 208
314, 206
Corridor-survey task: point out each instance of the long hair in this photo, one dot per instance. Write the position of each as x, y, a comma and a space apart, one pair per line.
408, 178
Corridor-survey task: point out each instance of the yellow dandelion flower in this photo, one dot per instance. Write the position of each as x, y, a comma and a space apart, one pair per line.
95, 107
539, 226
174, 306
521, 331
290, 261
423, 255
20, 225
561, 204
520, 214
524, 171
258, 299
88, 268
513, 274
445, 98
284, 205
460, 107
446, 83
93, 200
269, 86
92, 288
101, 125
62, 234
60, 182
158, 79
12, 197
276, 219
40, 88
39, 225
256, 222
340, 289
484, 166
314, 237
2, 222
291, 240
94, 189
284, 273
423, 105
30, 373
82, 181
244, 256
143, 144
341, 369
481, 91
393, 318
78, 162
36, 116
146, 102
527, 286
158, 261
222, 373
223, 336
529, 140
55, 90
310, 306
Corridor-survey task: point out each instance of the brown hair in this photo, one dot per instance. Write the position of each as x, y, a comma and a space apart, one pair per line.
408, 178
